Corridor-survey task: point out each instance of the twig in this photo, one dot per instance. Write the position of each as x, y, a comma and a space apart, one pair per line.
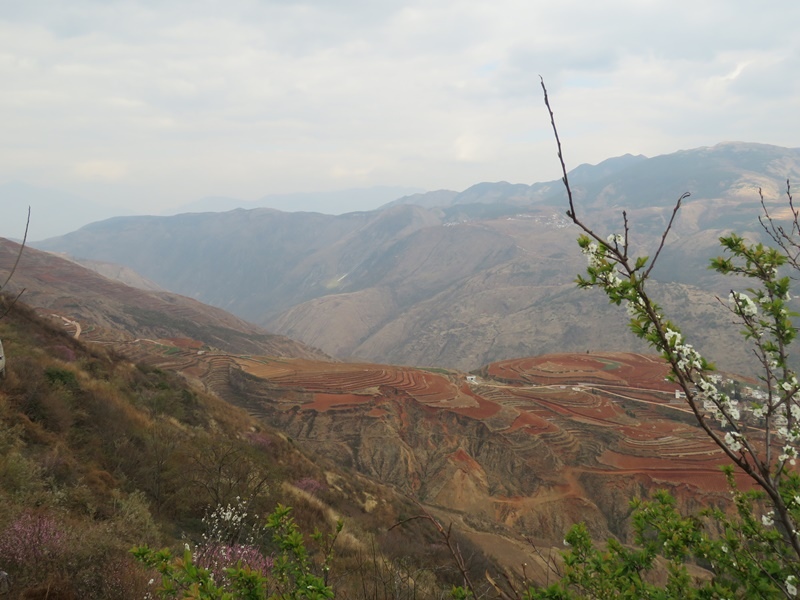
447, 536
14, 268
777, 233
666, 232
19, 254
564, 178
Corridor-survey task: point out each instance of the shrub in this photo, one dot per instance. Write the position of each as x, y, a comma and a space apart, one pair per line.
292, 575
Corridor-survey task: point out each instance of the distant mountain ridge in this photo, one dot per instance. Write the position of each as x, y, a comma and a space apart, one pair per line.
516, 193
487, 276
704, 172
332, 202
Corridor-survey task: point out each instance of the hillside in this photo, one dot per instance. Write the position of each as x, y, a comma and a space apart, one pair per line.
511, 456
98, 455
108, 311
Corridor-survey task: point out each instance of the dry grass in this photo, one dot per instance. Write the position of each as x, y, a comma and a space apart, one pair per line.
123, 454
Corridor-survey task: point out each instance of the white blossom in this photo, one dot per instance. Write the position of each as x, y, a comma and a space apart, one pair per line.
673, 335
742, 304
732, 442
791, 588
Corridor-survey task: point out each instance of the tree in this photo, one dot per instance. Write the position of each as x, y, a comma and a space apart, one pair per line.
292, 575
757, 552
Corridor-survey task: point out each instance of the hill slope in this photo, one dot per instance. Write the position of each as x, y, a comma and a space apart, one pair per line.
522, 452
109, 311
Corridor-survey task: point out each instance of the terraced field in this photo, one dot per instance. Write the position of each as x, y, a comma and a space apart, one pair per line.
327, 380
528, 432
572, 434
621, 368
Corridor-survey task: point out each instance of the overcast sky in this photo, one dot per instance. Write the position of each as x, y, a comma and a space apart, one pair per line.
150, 104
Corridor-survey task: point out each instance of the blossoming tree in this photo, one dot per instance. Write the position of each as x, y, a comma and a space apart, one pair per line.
757, 550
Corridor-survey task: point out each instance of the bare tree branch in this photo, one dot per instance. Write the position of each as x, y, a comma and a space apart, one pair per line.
19, 254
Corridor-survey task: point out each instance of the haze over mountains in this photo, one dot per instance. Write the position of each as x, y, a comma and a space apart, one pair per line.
55, 212
459, 279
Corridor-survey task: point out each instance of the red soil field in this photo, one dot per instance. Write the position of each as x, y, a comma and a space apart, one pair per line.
547, 394
323, 402
585, 426
339, 378
636, 370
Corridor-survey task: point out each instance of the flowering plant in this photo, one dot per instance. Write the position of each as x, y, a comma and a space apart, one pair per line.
758, 552
292, 575
233, 536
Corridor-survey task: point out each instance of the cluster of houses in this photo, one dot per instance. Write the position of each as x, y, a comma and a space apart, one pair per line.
732, 388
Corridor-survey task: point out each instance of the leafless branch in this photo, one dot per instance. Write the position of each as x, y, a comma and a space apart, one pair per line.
447, 536
787, 242
14, 268
564, 178
19, 254
665, 232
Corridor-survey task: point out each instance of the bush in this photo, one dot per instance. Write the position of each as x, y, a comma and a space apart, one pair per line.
292, 575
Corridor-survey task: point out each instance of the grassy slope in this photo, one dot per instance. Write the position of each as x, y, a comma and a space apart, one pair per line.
97, 454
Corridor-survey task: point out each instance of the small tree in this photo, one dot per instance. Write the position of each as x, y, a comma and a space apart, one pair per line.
290, 575
758, 552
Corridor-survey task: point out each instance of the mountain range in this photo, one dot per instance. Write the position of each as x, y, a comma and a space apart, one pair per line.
55, 212
460, 279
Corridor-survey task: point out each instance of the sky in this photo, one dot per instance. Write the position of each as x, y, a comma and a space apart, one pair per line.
143, 106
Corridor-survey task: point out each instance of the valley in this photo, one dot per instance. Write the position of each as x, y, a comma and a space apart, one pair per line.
517, 450
428, 355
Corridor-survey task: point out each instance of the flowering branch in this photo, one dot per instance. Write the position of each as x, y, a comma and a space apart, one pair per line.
767, 325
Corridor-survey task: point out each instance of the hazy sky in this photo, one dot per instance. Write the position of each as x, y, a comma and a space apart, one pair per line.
150, 104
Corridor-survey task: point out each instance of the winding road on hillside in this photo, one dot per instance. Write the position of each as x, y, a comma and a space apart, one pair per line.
75, 324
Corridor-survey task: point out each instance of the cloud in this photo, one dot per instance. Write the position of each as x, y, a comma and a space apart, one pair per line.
101, 170
253, 97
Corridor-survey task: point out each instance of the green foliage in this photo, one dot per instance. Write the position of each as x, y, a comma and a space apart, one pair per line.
710, 555
460, 593
63, 377
756, 552
294, 576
